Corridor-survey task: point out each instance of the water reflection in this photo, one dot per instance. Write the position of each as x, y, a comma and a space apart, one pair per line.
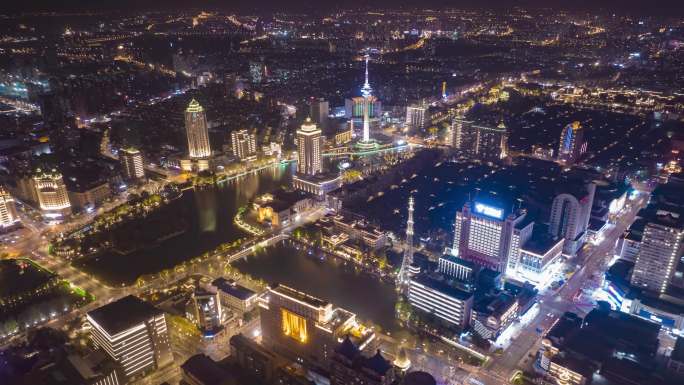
328, 278
209, 211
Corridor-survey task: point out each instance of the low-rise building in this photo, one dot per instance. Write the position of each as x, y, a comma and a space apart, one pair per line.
234, 295
446, 302
492, 314
280, 207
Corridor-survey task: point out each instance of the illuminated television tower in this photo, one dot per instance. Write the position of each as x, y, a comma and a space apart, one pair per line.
366, 92
408, 251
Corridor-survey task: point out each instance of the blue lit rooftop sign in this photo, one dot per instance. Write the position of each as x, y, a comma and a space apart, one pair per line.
489, 211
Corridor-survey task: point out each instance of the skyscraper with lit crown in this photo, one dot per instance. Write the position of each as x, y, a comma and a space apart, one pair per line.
309, 149
197, 131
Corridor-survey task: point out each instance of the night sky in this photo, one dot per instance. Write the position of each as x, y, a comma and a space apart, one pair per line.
663, 7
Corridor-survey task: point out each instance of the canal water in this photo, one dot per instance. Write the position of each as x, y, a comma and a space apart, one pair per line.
211, 223
210, 217
326, 277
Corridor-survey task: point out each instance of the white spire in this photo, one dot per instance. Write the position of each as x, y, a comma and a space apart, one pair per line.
408, 250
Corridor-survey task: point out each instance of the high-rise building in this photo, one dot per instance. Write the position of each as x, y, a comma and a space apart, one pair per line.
660, 251
52, 194
8, 210
197, 131
133, 333
462, 136
490, 235
206, 311
477, 141
244, 145
319, 111
492, 142
305, 328
572, 144
570, 214
309, 149
132, 163
416, 117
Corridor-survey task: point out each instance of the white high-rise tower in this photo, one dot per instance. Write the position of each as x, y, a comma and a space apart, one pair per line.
408, 251
366, 92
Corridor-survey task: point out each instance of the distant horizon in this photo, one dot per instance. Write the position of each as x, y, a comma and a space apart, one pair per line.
673, 8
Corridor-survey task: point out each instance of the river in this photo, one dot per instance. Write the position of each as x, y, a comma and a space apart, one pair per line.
210, 217
326, 277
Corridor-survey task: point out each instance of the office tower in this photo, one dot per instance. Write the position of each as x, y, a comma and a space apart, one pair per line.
570, 214
319, 111
416, 117
572, 144
244, 145
309, 147
306, 328
408, 251
660, 251
8, 210
133, 333
349, 366
490, 236
444, 301
492, 142
132, 163
52, 194
205, 310
196, 129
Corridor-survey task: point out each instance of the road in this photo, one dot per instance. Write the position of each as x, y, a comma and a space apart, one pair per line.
594, 260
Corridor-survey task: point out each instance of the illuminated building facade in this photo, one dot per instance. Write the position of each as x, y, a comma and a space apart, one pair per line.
570, 215
132, 163
244, 145
53, 198
206, 311
133, 333
492, 142
490, 236
444, 301
197, 131
416, 117
477, 141
660, 250
306, 328
8, 210
572, 144
309, 149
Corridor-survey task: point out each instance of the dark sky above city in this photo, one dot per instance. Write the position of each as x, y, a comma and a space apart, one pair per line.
666, 7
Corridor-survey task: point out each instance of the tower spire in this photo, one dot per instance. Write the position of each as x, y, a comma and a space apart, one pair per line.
408, 250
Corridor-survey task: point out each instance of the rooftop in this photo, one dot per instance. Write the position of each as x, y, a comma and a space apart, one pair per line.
232, 288
299, 296
206, 370
120, 315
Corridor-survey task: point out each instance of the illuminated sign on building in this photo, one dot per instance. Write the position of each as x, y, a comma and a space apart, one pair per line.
488, 211
294, 326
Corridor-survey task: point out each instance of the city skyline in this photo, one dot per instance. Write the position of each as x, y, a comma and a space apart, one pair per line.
438, 192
